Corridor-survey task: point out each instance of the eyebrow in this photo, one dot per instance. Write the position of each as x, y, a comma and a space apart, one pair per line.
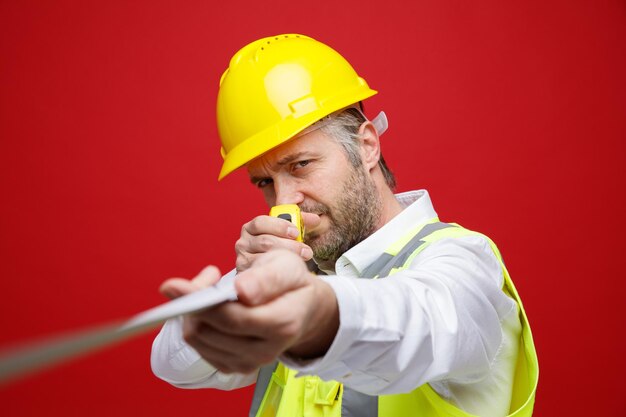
290, 158
282, 162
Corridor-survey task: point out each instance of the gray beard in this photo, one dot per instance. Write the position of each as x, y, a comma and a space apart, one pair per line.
353, 219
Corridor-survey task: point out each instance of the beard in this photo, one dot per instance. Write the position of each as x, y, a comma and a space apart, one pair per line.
352, 218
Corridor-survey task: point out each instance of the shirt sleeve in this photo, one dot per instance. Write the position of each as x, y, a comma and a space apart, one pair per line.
174, 361
437, 320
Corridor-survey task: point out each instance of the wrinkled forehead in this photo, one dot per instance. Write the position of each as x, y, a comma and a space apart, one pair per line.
307, 145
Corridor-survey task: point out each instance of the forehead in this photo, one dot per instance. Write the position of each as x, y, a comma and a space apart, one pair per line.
312, 144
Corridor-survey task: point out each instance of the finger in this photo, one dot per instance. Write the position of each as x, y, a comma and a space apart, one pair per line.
244, 260
272, 274
269, 225
202, 334
176, 287
230, 318
272, 327
221, 344
310, 220
265, 243
197, 333
227, 353
250, 350
207, 277
222, 359
226, 363
273, 320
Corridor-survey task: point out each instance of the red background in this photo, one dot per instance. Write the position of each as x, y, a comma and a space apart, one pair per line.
512, 114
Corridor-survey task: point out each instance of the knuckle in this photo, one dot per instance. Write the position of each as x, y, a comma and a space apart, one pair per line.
239, 264
252, 226
265, 243
240, 245
242, 262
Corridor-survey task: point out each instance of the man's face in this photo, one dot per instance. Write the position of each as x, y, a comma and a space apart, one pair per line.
313, 172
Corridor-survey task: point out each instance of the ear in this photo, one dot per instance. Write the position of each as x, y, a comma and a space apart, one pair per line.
370, 145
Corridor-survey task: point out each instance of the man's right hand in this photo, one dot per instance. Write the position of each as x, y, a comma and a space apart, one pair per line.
264, 233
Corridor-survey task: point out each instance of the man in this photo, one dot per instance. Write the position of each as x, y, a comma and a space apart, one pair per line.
443, 334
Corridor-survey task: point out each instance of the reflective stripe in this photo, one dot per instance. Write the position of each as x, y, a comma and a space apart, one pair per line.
357, 404
262, 382
382, 266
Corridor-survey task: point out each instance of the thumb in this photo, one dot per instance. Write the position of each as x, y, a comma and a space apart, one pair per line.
177, 287
271, 275
310, 220
207, 277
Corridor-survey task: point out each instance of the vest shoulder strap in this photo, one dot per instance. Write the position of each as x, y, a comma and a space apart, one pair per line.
395, 256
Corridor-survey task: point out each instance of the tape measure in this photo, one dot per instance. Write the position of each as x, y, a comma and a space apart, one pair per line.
291, 213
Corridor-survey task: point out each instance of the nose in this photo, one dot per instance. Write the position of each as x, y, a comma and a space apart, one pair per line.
287, 192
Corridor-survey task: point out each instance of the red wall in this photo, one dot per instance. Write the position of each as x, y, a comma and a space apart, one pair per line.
512, 114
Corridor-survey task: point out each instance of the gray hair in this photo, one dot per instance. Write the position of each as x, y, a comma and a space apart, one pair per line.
344, 127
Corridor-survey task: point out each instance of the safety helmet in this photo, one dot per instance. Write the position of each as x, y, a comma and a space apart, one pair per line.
276, 87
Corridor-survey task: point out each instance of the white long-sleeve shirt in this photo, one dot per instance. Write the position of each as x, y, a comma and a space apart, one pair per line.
444, 321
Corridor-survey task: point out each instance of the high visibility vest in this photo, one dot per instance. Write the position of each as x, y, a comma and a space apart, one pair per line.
279, 393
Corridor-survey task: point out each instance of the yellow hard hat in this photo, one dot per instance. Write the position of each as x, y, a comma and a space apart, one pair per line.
276, 87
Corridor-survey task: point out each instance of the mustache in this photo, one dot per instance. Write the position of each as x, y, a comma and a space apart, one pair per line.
316, 208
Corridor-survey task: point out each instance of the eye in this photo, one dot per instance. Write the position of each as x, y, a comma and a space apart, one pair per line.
302, 164
264, 182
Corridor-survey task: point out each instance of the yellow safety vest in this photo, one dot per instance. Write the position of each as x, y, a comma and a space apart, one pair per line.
279, 393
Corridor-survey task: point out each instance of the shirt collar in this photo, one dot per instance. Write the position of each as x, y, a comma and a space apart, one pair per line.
417, 209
